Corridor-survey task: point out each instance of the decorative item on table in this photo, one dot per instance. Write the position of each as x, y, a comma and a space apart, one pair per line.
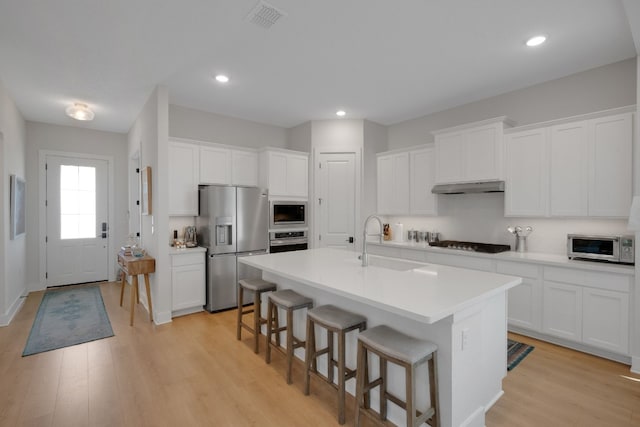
386, 232
521, 236
127, 248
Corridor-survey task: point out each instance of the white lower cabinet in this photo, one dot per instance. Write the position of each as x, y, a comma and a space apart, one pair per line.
588, 307
606, 319
578, 305
525, 300
462, 261
562, 310
188, 281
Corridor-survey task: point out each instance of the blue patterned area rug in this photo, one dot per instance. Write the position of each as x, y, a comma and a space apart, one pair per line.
516, 352
68, 317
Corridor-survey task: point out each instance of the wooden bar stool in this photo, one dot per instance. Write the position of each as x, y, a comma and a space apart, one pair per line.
290, 301
334, 320
258, 287
409, 352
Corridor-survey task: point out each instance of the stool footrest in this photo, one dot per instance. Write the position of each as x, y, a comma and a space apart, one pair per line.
401, 403
320, 352
373, 384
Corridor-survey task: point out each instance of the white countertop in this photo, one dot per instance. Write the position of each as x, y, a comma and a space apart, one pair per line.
427, 293
530, 257
176, 251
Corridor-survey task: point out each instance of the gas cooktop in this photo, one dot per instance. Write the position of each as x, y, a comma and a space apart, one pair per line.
472, 246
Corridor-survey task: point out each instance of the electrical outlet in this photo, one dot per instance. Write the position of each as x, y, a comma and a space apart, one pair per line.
464, 342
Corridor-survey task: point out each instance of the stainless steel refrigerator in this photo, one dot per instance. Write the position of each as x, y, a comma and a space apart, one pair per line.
232, 223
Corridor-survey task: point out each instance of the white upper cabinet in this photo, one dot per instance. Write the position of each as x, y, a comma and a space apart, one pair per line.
215, 165
285, 173
183, 179
405, 179
228, 166
526, 173
610, 173
423, 177
244, 167
591, 167
450, 158
393, 183
470, 153
571, 169
568, 169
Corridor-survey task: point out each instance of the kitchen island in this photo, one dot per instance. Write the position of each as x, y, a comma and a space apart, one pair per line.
462, 311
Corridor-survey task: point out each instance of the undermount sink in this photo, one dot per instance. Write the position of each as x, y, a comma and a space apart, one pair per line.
391, 263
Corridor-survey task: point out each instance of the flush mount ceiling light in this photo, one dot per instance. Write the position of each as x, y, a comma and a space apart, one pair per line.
341, 113
80, 111
536, 40
221, 78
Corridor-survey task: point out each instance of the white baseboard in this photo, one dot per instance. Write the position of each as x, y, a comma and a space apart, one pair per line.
186, 311
476, 419
162, 317
493, 401
7, 317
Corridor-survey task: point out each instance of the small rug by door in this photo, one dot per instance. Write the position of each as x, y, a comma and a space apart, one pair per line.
66, 317
516, 352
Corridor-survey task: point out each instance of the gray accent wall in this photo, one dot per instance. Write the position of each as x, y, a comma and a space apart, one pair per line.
204, 126
48, 137
601, 88
13, 253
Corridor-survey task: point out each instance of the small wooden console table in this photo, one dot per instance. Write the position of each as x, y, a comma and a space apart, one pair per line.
132, 266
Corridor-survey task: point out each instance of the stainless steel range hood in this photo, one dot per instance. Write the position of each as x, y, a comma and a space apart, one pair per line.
469, 187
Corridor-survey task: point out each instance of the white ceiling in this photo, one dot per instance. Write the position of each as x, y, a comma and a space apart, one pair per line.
386, 61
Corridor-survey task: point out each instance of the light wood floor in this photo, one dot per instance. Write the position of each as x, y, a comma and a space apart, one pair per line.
193, 372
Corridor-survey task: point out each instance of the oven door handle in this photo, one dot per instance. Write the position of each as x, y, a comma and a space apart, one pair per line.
286, 242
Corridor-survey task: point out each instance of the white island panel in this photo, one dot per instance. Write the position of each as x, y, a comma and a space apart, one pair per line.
433, 302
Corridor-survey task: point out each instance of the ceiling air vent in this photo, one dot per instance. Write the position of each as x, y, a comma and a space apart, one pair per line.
265, 15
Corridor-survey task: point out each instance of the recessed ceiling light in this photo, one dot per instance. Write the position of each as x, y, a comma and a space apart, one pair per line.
341, 113
536, 41
222, 78
80, 111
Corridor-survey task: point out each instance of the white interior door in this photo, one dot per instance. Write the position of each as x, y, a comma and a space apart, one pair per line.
336, 200
77, 220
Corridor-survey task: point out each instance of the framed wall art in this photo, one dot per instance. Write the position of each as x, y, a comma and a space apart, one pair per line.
17, 215
145, 190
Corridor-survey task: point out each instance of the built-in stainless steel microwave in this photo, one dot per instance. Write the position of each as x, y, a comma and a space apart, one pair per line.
618, 249
288, 214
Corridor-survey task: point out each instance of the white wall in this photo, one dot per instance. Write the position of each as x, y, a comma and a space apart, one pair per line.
149, 136
13, 253
203, 126
299, 137
635, 329
481, 217
375, 141
47, 137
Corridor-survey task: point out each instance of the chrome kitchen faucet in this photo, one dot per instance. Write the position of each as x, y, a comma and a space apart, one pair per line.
365, 255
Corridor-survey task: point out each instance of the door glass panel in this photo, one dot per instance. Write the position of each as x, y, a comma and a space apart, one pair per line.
77, 202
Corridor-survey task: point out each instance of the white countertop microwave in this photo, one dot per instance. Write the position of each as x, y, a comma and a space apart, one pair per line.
618, 249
